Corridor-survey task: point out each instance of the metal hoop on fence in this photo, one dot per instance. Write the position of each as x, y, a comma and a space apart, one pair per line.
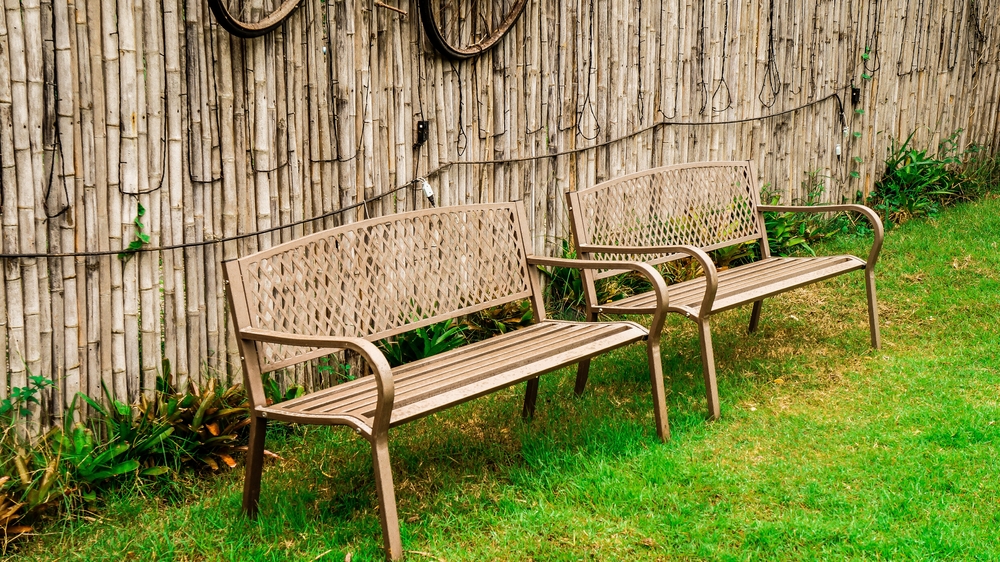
462, 29
236, 17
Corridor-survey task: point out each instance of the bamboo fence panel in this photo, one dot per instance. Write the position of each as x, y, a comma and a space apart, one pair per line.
106, 106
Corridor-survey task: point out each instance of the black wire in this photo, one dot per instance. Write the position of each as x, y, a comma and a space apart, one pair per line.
590, 71
439, 170
461, 111
772, 78
722, 77
57, 142
208, 242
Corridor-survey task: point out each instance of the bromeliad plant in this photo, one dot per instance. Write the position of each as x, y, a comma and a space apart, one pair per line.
206, 421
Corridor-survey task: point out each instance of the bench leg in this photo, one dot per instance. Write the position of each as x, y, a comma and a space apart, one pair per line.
708, 366
583, 367
582, 373
873, 310
755, 316
254, 466
386, 498
659, 393
530, 397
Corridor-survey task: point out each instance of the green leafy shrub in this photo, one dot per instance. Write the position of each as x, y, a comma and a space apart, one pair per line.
979, 173
423, 342
791, 233
497, 320
207, 422
29, 484
273, 392
916, 183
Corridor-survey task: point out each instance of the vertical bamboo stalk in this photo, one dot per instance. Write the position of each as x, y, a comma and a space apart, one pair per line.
51, 289
229, 210
149, 264
67, 131
175, 332
25, 322
114, 100
11, 313
128, 119
262, 159
210, 275
39, 355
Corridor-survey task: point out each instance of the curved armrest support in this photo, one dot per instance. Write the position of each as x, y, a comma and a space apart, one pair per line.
711, 274
371, 353
647, 271
869, 214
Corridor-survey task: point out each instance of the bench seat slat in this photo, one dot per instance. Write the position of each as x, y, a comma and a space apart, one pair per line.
426, 386
743, 284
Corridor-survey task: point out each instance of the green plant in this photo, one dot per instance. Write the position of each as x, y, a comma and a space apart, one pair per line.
331, 368
788, 232
273, 392
916, 183
423, 342
207, 421
979, 173
141, 238
564, 285
28, 484
497, 320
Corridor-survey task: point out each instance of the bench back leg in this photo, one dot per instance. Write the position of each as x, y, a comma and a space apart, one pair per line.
583, 367
582, 374
530, 398
386, 498
872, 309
708, 366
755, 316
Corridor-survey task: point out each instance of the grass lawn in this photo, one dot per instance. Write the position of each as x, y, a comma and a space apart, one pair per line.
826, 449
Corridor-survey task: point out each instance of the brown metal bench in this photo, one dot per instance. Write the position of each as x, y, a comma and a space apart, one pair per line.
688, 210
348, 287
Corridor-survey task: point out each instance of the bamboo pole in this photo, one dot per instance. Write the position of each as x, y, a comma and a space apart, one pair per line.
131, 168
23, 307
175, 331
151, 183
11, 314
227, 134
51, 286
68, 114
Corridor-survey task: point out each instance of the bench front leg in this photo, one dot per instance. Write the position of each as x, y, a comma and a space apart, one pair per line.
254, 466
872, 309
708, 367
659, 391
386, 497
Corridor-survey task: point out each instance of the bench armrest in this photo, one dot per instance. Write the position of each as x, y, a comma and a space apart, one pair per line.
647, 271
371, 353
869, 214
707, 265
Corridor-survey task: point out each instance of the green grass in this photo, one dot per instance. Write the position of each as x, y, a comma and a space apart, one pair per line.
826, 449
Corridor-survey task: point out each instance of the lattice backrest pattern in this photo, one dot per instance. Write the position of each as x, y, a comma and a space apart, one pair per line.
709, 205
384, 276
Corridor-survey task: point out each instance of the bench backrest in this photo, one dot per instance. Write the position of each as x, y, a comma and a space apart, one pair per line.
706, 204
383, 276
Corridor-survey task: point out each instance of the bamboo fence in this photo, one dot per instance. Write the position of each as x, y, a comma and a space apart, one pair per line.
109, 107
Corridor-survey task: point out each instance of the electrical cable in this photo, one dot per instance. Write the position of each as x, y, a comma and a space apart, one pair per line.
438, 170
